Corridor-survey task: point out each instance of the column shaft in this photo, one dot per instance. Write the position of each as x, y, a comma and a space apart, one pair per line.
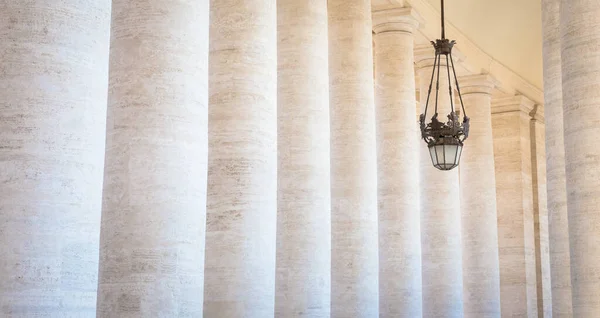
354, 263
242, 161
481, 273
540, 210
53, 84
514, 197
558, 225
580, 60
440, 214
303, 282
398, 165
153, 217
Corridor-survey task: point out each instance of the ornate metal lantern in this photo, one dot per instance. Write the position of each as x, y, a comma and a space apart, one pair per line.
444, 139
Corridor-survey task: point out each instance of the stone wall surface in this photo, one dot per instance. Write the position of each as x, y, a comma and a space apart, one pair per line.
53, 83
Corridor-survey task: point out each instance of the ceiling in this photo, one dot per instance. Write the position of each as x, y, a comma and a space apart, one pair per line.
507, 30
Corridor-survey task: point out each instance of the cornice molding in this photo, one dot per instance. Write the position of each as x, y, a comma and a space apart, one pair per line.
395, 19
478, 84
475, 59
517, 103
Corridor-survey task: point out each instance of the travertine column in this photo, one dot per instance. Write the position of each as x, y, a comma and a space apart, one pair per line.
514, 197
242, 161
540, 212
481, 273
53, 84
440, 211
153, 215
398, 164
581, 104
354, 254
558, 225
303, 282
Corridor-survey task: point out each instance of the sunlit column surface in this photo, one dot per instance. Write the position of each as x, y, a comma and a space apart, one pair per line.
153, 217
354, 256
580, 60
398, 163
53, 84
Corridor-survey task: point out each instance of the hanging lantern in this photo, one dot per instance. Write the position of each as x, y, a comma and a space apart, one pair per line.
444, 139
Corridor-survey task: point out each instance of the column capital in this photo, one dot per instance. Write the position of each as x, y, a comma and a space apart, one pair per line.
424, 56
477, 84
517, 103
393, 18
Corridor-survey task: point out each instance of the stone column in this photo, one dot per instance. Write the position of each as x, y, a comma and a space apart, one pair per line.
440, 211
540, 212
354, 255
242, 161
481, 273
514, 197
398, 164
558, 226
153, 216
303, 282
581, 103
53, 84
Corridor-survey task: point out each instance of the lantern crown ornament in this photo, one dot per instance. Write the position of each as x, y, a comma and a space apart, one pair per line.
444, 138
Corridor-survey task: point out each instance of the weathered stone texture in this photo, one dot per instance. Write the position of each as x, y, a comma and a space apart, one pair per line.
153, 218
398, 161
354, 256
481, 273
303, 282
242, 160
53, 83
540, 210
580, 60
558, 226
514, 193
440, 216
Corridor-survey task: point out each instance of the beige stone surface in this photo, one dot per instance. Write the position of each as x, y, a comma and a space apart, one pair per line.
581, 103
153, 217
242, 160
303, 282
514, 194
53, 83
558, 226
398, 161
441, 245
354, 240
481, 273
540, 216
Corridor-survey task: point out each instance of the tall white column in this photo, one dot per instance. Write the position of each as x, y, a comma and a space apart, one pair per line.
580, 60
242, 161
303, 282
53, 84
514, 197
558, 225
153, 216
481, 273
354, 255
398, 164
440, 211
